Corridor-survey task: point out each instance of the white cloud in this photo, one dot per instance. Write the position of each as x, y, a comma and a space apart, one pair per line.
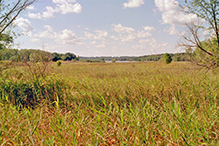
31, 7
149, 28
133, 3
154, 47
24, 24
138, 47
103, 44
44, 34
49, 28
35, 15
67, 37
128, 38
143, 34
66, 7
121, 29
49, 12
48, 33
63, 1
172, 13
61, 6
99, 35
35, 40
150, 42
130, 33
172, 30
182, 33
114, 37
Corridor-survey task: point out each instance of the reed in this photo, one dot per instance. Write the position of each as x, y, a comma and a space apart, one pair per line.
112, 104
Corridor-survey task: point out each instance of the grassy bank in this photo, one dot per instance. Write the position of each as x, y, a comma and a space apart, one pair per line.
111, 104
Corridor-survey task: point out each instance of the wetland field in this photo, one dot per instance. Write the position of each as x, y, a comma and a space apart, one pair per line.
141, 103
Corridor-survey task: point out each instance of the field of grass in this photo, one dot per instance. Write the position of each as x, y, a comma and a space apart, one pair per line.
110, 104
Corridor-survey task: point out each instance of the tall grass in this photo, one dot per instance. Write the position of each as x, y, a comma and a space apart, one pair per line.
113, 104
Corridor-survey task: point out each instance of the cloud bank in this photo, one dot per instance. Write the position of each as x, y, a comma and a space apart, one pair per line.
133, 3
61, 6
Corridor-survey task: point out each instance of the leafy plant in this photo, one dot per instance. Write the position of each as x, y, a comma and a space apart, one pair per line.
59, 63
167, 58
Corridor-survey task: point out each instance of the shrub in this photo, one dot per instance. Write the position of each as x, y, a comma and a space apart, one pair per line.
30, 93
59, 63
167, 58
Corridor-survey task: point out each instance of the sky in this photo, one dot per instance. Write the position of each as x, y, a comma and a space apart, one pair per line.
103, 27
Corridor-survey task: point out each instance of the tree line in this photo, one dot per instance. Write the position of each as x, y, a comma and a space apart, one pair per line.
28, 54
31, 54
154, 57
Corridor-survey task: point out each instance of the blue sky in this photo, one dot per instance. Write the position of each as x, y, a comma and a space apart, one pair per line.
103, 27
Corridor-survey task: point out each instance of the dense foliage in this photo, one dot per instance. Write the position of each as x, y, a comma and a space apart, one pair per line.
204, 59
168, 59
28, 54
157, 57
205, 27
5, 40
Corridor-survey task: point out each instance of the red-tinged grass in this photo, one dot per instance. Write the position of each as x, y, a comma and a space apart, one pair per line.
116, 104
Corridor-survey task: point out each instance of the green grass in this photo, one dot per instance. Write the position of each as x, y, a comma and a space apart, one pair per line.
112, 104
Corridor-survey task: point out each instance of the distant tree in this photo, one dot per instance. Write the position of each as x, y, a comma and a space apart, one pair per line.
68, 56
167, 58
40, 56
63, 57
113, 60
78, 58
103, 60
24, 54
56, 56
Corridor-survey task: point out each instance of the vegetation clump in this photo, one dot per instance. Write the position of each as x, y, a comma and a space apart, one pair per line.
59, 63
113, 60
167, 58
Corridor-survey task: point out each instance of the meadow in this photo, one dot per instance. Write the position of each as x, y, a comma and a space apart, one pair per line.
145, 103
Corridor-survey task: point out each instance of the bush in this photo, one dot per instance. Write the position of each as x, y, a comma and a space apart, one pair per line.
30, 93
167, 58
59, 63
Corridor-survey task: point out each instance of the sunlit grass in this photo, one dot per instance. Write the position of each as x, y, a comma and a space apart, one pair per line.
116, 104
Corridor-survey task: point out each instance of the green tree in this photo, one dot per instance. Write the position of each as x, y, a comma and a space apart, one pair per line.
10, 10
59, 63
56, 56
206, 52
167, 58
70, 56
207, 60
5, 39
